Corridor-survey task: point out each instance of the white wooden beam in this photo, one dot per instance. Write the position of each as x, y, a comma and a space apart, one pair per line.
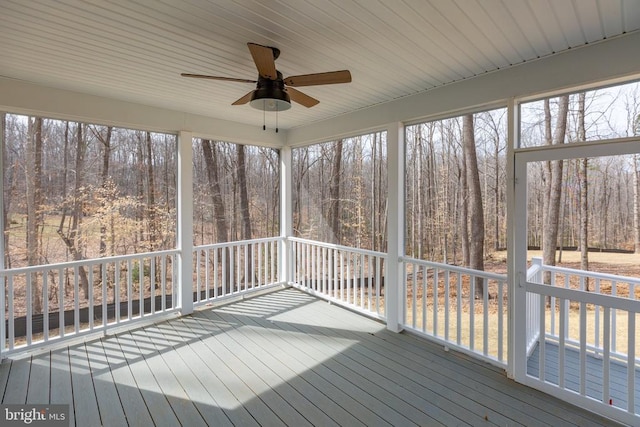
286, 215
394, 279
183, 289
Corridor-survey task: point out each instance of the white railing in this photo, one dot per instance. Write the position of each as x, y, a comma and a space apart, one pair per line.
58, 301
441, 303
592, 283
347, 276
230, 269
589, 323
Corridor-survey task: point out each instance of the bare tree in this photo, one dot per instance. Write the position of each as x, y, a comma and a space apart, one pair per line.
73, 238
476, 215
553, 181
34, 204
334, 191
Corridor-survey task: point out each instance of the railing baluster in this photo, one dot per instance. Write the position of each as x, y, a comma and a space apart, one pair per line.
472, 311
91, 297
164, 282
425, 298
152, 284
542, 340
12, 317
614, 292
561, 343
362, 277
103, 279
631, 362
247, 257
76, 300
414, 293
447, 308
116, 291
606, 355
129, 288
583, 348
500, 320
458, 309
141, 286
597, 318
45, 306
29, 303
485, 311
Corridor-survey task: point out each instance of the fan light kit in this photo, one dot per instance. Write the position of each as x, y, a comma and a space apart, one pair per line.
273, 92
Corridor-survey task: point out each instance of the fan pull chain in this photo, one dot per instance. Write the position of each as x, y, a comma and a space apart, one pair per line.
264, 125
276, 118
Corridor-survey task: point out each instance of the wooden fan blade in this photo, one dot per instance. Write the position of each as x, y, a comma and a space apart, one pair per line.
264, 60
329, 78
244, 99
228, 79
301, 98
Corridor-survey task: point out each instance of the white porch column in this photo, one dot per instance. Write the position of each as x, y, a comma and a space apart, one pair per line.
394, 280
286, 215
516, 251
183, 289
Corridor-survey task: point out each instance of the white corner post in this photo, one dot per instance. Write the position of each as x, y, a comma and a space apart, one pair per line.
285, 273
3, 332
394, 280
183, 289
516, 249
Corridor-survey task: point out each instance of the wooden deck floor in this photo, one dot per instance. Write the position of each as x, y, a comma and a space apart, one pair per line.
284, 358
618, 390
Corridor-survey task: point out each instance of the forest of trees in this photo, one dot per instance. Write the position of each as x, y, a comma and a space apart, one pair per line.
74, 191
340, 192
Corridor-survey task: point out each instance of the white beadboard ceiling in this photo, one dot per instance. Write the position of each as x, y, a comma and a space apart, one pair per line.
135, 50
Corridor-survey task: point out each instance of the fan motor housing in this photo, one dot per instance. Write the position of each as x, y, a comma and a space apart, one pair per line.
270, 95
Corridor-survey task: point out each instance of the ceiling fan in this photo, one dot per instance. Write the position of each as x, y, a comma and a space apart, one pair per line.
274, 92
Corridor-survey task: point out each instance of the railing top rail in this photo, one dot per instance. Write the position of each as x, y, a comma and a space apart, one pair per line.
340, 247
237, 243
455, 268
591, 274
585, 296
84, 262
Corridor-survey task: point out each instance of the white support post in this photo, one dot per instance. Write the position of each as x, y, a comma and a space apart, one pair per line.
183, 289
516, 251
394, 280
3, 332
286, 216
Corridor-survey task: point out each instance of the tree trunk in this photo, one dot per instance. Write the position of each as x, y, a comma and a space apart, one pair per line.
334, 192
475, 211
73, 240
222, 230
553, 183
34, 205
583, 167
151, 198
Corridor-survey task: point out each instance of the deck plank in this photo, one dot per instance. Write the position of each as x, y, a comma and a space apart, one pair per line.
159, 408
61, 388
18, 382
109, 403
85, 404
39, 379
133, 404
